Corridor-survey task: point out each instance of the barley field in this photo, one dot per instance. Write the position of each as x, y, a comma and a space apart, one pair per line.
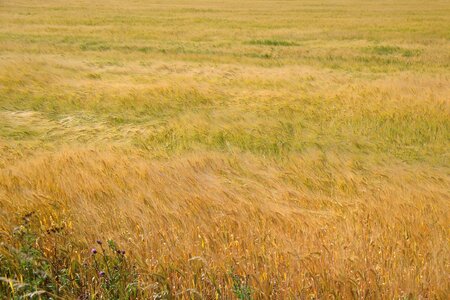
224, 149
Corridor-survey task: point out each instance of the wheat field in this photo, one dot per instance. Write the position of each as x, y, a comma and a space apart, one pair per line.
234, 149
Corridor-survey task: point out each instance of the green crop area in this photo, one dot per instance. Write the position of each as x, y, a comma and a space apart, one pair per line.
224, 149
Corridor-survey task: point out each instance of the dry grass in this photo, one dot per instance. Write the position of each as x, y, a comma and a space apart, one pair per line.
300, 145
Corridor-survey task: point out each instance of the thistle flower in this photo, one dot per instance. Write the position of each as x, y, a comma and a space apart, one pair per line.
94, 251
101, 273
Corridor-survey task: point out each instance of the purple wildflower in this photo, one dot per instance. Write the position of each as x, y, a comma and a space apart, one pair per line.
94, 251
101, 273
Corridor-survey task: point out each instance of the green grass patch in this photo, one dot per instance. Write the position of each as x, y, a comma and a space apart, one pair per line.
272, 43
393, 50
